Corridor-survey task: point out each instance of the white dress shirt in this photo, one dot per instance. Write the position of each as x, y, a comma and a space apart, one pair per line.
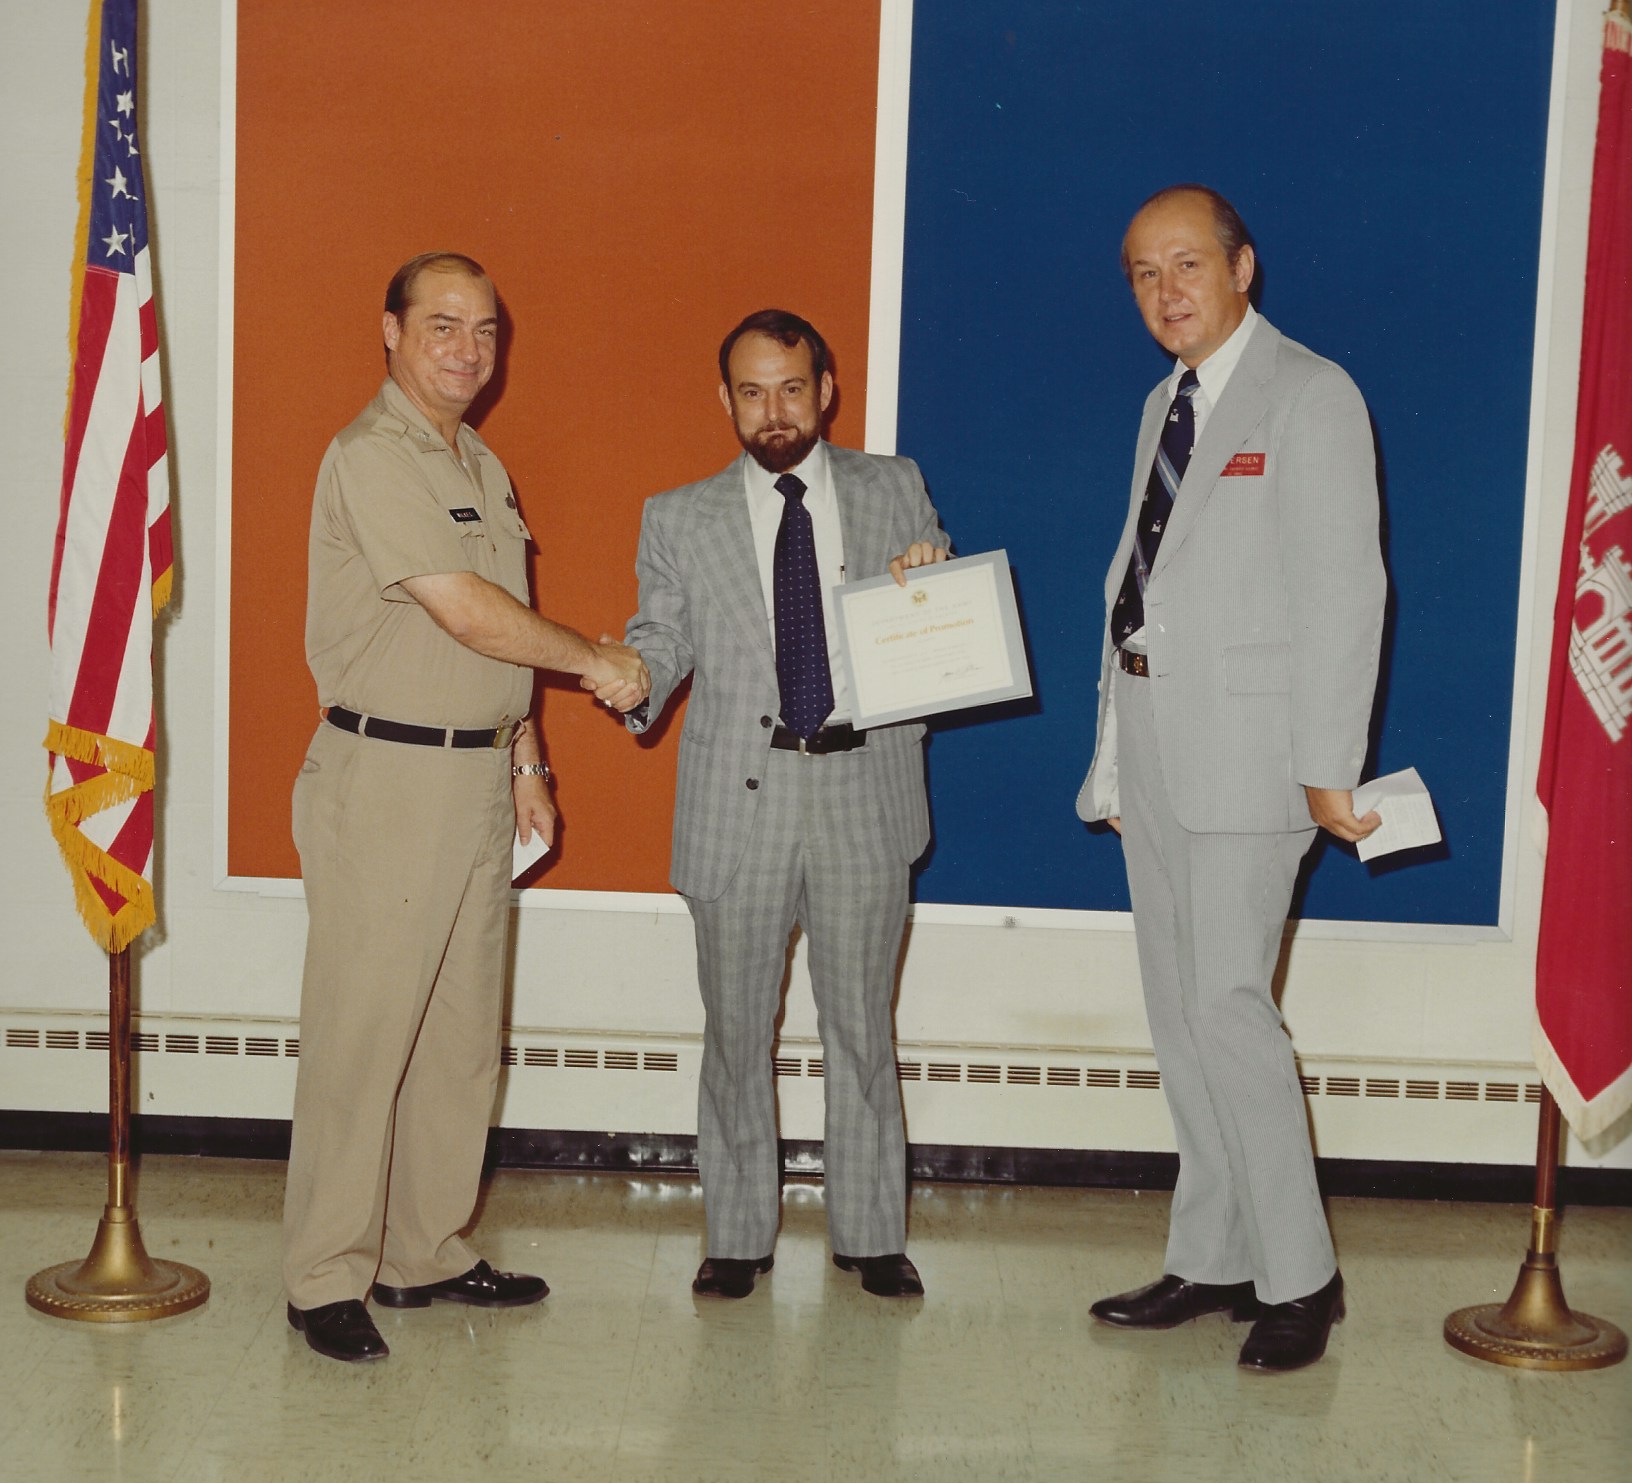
1214, 373
1212, 376
765, 507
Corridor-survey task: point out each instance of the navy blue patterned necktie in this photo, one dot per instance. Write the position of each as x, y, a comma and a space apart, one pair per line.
801, 632
1161, 489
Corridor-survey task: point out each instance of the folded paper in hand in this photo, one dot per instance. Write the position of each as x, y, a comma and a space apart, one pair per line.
1402, 802
524, 856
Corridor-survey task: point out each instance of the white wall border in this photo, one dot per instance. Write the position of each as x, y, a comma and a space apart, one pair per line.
889, 223
1521, 794
227, 276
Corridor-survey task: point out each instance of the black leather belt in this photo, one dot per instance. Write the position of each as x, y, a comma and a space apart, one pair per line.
1133, 664
841, 738
418, 736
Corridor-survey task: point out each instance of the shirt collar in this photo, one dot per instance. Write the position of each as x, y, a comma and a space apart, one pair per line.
396, 401
812, 469
1214, 372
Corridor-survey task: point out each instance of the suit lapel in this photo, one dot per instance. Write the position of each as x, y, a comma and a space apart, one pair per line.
724, 542
1241, 408
864, 518
1150, 434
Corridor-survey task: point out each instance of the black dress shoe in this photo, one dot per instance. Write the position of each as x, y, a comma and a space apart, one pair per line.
1289, 1336
481, 1287
340, 1330
892, 1276
729, 1276
1167, 1303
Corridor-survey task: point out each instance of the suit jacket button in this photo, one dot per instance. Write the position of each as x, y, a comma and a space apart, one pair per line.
766, 722
753, 782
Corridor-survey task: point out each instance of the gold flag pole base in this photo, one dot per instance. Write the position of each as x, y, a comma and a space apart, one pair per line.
1535, 1329
118, 1282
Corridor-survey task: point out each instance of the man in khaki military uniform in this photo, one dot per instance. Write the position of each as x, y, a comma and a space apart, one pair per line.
421, 638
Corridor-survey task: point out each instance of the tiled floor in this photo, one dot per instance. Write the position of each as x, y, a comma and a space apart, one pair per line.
998, 1374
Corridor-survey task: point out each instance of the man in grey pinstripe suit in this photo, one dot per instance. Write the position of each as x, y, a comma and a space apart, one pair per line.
1245, 610
773, 827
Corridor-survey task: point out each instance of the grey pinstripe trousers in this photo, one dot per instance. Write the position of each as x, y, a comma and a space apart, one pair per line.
1208, 913
819, 855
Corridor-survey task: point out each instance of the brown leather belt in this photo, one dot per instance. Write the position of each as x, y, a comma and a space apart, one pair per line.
841, 738
1133, 664
418, 736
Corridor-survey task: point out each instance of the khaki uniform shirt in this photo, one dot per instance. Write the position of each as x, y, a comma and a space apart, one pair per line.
393, 502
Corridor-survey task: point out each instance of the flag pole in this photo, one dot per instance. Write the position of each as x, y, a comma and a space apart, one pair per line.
1584, 944
1535, 1328
118, 1282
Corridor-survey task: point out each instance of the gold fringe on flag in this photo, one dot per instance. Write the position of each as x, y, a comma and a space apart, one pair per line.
129, 774
113, 931
124, 760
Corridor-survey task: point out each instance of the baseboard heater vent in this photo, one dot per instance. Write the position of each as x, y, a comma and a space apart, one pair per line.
968, 1073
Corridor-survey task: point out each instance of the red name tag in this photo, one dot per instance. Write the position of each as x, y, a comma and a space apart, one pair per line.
1245, 463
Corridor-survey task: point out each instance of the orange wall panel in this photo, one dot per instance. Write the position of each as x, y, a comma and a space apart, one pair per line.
636, 177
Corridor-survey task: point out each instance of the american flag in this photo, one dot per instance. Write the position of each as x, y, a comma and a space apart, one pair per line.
111, 568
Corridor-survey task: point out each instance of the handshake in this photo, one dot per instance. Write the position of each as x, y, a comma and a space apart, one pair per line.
617, 675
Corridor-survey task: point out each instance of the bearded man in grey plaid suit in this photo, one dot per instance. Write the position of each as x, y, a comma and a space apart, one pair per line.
778, 823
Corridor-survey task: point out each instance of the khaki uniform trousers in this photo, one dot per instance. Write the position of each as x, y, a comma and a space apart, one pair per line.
405, 852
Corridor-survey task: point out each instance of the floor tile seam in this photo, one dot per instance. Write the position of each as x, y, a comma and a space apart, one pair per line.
634, 1354
1014, 1350
182, 1474
447, 1337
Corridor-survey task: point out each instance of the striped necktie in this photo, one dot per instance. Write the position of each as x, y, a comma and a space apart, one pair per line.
1161, 489
802, 673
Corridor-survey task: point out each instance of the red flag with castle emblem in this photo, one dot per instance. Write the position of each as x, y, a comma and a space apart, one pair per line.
110, 572
1584, 959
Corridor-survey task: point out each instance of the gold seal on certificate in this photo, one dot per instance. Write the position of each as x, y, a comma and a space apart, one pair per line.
948, 640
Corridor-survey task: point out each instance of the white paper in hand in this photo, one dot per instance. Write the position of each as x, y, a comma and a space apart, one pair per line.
1402, 802
524, 856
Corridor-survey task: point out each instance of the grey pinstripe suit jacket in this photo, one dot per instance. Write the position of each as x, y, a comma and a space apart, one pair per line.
702, 612
1264, 609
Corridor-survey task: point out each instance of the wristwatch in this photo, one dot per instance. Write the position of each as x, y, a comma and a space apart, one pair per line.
532, 770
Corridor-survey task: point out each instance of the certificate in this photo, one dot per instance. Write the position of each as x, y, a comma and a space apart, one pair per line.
948, 640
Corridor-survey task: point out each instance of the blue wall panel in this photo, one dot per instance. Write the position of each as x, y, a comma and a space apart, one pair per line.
1388, 159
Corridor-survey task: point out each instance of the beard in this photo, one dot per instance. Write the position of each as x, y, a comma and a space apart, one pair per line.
777, 454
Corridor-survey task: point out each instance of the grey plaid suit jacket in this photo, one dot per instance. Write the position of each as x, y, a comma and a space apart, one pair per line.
702, 612
1264, 610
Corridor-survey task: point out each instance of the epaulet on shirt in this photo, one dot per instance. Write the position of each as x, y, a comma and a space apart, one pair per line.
390, 427
374, 422
388, 424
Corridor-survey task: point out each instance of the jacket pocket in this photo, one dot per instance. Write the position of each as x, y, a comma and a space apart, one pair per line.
1257, 669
